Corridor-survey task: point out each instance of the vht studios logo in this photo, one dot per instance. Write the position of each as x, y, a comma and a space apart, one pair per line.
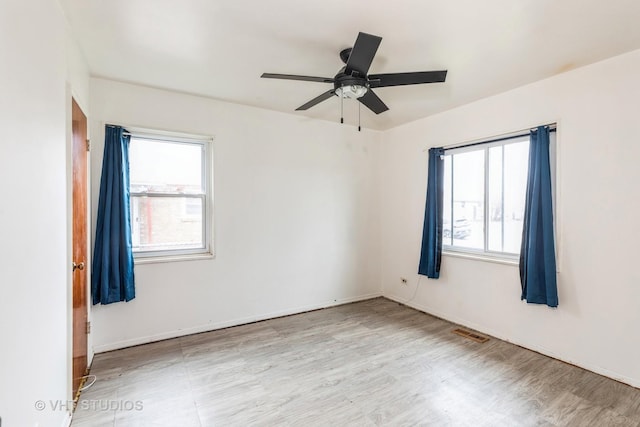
89, 405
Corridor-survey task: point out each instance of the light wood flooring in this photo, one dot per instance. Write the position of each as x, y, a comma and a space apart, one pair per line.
364, 364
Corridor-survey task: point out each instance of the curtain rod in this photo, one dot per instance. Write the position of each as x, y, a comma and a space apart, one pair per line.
124, 131
504, 137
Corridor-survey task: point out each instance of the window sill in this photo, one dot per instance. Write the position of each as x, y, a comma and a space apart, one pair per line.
479, 257
172, 258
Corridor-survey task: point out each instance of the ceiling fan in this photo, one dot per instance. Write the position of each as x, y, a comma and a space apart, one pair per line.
352, 81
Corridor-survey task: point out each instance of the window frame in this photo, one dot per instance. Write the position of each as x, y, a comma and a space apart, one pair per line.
485, 146
206, 144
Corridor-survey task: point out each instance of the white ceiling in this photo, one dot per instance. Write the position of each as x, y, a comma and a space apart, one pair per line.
219, 48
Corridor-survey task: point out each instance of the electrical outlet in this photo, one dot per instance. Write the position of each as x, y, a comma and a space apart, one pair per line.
403, 280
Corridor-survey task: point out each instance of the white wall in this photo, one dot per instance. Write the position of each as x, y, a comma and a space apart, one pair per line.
595, 325
34, 82
77, 71
296, 219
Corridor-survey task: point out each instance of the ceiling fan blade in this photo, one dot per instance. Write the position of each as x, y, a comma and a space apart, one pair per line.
295, 77
372, 102
362, 54
317, 100
400, 79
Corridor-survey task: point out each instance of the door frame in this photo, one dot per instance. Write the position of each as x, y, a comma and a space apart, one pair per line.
68, 266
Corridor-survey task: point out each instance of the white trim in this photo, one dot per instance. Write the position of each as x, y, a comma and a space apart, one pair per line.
482, 257
229, 323
69, 221
557, 199
172, 258
144, 132
206, 144
210, 171
542, 350
66, 421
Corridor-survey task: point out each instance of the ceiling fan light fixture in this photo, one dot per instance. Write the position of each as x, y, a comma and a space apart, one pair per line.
351, 91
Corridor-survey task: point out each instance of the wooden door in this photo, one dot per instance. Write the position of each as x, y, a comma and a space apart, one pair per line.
79, 129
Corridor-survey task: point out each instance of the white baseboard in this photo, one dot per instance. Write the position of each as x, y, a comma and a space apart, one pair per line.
228, 323
634, 382
66, 422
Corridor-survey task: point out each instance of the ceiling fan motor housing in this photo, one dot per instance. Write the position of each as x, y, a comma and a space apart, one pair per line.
341, 80
344, 54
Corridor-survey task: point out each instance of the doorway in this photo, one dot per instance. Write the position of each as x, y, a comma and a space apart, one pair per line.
79, 243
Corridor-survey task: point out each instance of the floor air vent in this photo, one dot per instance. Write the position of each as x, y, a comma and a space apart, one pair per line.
471, 335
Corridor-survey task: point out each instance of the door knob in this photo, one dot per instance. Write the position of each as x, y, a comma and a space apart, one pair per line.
79, 266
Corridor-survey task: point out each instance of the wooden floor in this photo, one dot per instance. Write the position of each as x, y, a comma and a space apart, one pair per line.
370, 363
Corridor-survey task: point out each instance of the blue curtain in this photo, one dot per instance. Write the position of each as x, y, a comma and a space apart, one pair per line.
431, 251
537, 254
112, 278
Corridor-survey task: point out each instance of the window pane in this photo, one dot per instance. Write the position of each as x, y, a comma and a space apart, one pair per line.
166, 223
516, 164
467, 223
495, 199
497, 229
165, 167
447, 203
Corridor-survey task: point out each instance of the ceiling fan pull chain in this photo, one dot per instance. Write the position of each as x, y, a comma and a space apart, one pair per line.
359, 105
341, 109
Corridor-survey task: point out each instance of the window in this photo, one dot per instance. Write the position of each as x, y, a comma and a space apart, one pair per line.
170, 195
484, 196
